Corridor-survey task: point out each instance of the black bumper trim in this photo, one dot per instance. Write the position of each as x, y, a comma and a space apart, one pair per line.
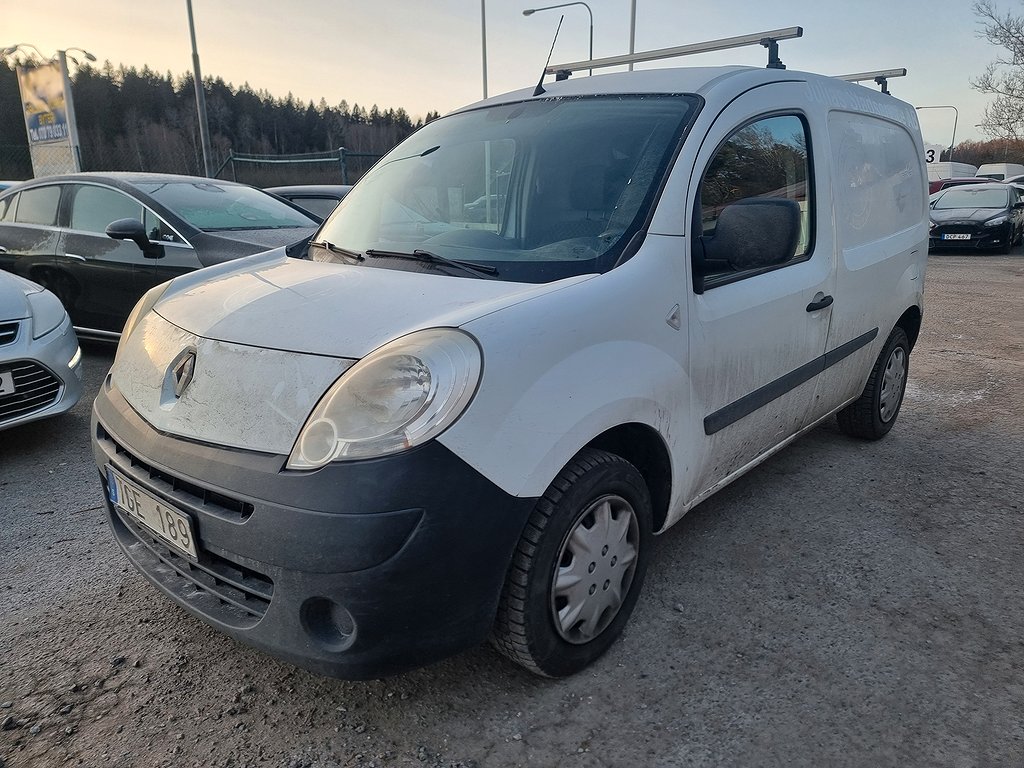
414, 548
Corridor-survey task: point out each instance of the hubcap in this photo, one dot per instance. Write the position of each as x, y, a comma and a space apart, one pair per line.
595, 569
893, 377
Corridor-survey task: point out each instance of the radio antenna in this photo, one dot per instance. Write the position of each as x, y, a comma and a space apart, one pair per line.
540, 83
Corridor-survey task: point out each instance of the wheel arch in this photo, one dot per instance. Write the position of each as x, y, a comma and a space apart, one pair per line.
644, 448
910, 322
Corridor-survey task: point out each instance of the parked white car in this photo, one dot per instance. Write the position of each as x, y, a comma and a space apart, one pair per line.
442, 428
40, 362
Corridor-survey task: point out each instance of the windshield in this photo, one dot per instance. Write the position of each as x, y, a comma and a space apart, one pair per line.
214, 207
540, 190
965, 197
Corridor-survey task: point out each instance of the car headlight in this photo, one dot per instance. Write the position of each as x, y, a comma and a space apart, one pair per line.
47, 312
997, 221
400, 396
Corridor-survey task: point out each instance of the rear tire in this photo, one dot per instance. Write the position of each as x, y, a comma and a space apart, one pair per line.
872, 415
578, 567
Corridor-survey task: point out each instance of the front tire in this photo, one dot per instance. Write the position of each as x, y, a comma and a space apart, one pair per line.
578, 567
872, 415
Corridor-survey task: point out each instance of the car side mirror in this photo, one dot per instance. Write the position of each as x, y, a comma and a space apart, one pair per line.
752, 234
132, 229
1019, 204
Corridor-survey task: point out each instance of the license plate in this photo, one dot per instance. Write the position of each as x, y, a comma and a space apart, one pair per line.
172, 527
956, 237
6, 383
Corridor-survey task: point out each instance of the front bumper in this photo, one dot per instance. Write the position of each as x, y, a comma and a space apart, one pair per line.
356, 570
980, 237
47, 374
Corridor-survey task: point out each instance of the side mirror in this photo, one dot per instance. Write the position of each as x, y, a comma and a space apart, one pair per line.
754, 233
132, 229
1019, 204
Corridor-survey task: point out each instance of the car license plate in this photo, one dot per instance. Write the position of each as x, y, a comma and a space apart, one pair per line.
6, 383
956, 237
172, 527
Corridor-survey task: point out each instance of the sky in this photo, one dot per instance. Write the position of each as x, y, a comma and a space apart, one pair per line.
427, 55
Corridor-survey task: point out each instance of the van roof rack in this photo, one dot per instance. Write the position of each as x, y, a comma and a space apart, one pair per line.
769, 40
880, 76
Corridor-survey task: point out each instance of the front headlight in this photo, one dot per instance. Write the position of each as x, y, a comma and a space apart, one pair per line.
47, 312
997, 221
402, 395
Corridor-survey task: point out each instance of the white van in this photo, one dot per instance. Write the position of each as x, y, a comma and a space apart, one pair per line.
939, 171
535, 335
1000, 171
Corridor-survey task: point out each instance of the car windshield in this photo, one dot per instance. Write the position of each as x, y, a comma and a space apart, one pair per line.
966, 197
214, 207
539, 190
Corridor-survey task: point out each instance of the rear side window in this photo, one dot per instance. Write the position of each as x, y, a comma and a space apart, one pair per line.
878, 179
93, 208
38, 206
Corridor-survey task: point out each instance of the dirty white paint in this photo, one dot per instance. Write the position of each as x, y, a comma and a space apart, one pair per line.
240, 396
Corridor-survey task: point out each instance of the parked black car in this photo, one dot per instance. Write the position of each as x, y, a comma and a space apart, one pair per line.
977, 216
57, 232
317, 199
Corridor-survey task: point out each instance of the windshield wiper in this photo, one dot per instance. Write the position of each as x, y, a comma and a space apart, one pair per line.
351, 255
433, 258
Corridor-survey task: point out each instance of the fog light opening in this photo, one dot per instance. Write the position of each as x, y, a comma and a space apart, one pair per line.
330, 624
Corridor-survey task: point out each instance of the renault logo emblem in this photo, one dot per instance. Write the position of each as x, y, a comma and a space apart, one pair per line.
183, 371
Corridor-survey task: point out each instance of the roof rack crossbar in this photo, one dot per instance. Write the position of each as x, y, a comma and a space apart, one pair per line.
880, 76
769, 40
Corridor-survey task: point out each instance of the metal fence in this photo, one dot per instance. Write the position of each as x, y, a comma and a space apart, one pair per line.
342, 166
15, 162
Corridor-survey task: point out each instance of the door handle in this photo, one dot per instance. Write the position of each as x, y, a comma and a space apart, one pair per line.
74, 257
820, 301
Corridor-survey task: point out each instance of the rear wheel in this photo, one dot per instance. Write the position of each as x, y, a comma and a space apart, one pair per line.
872, 415
578, 568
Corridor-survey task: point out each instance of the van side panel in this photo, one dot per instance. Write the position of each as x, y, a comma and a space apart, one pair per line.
879, 188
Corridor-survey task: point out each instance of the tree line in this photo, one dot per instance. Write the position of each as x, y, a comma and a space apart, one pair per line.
139, 120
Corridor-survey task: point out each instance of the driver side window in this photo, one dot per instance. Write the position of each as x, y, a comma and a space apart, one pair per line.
763, 166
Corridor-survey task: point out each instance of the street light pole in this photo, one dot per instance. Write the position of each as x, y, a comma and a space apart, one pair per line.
956, 116
483, 39
531, 11
632, 30
204, 128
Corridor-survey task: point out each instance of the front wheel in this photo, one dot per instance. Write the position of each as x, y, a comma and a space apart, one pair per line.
872, 415
578, 567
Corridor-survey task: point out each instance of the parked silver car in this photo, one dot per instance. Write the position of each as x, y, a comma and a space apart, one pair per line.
40, 361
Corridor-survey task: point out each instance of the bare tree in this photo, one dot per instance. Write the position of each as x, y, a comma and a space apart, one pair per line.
1004, 77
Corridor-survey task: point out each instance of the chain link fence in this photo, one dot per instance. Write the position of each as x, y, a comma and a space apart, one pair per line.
340, 166
15, 162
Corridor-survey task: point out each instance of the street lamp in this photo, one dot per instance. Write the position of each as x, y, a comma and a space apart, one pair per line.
531, 11
956, 116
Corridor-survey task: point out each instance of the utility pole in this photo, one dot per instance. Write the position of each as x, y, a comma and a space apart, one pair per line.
204, 129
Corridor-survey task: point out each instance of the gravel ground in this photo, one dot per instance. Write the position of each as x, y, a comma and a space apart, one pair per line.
845, 604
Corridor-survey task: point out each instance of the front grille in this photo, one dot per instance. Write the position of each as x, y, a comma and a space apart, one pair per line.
958, 229
8, 333
35, 388
215, 586
234, 510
